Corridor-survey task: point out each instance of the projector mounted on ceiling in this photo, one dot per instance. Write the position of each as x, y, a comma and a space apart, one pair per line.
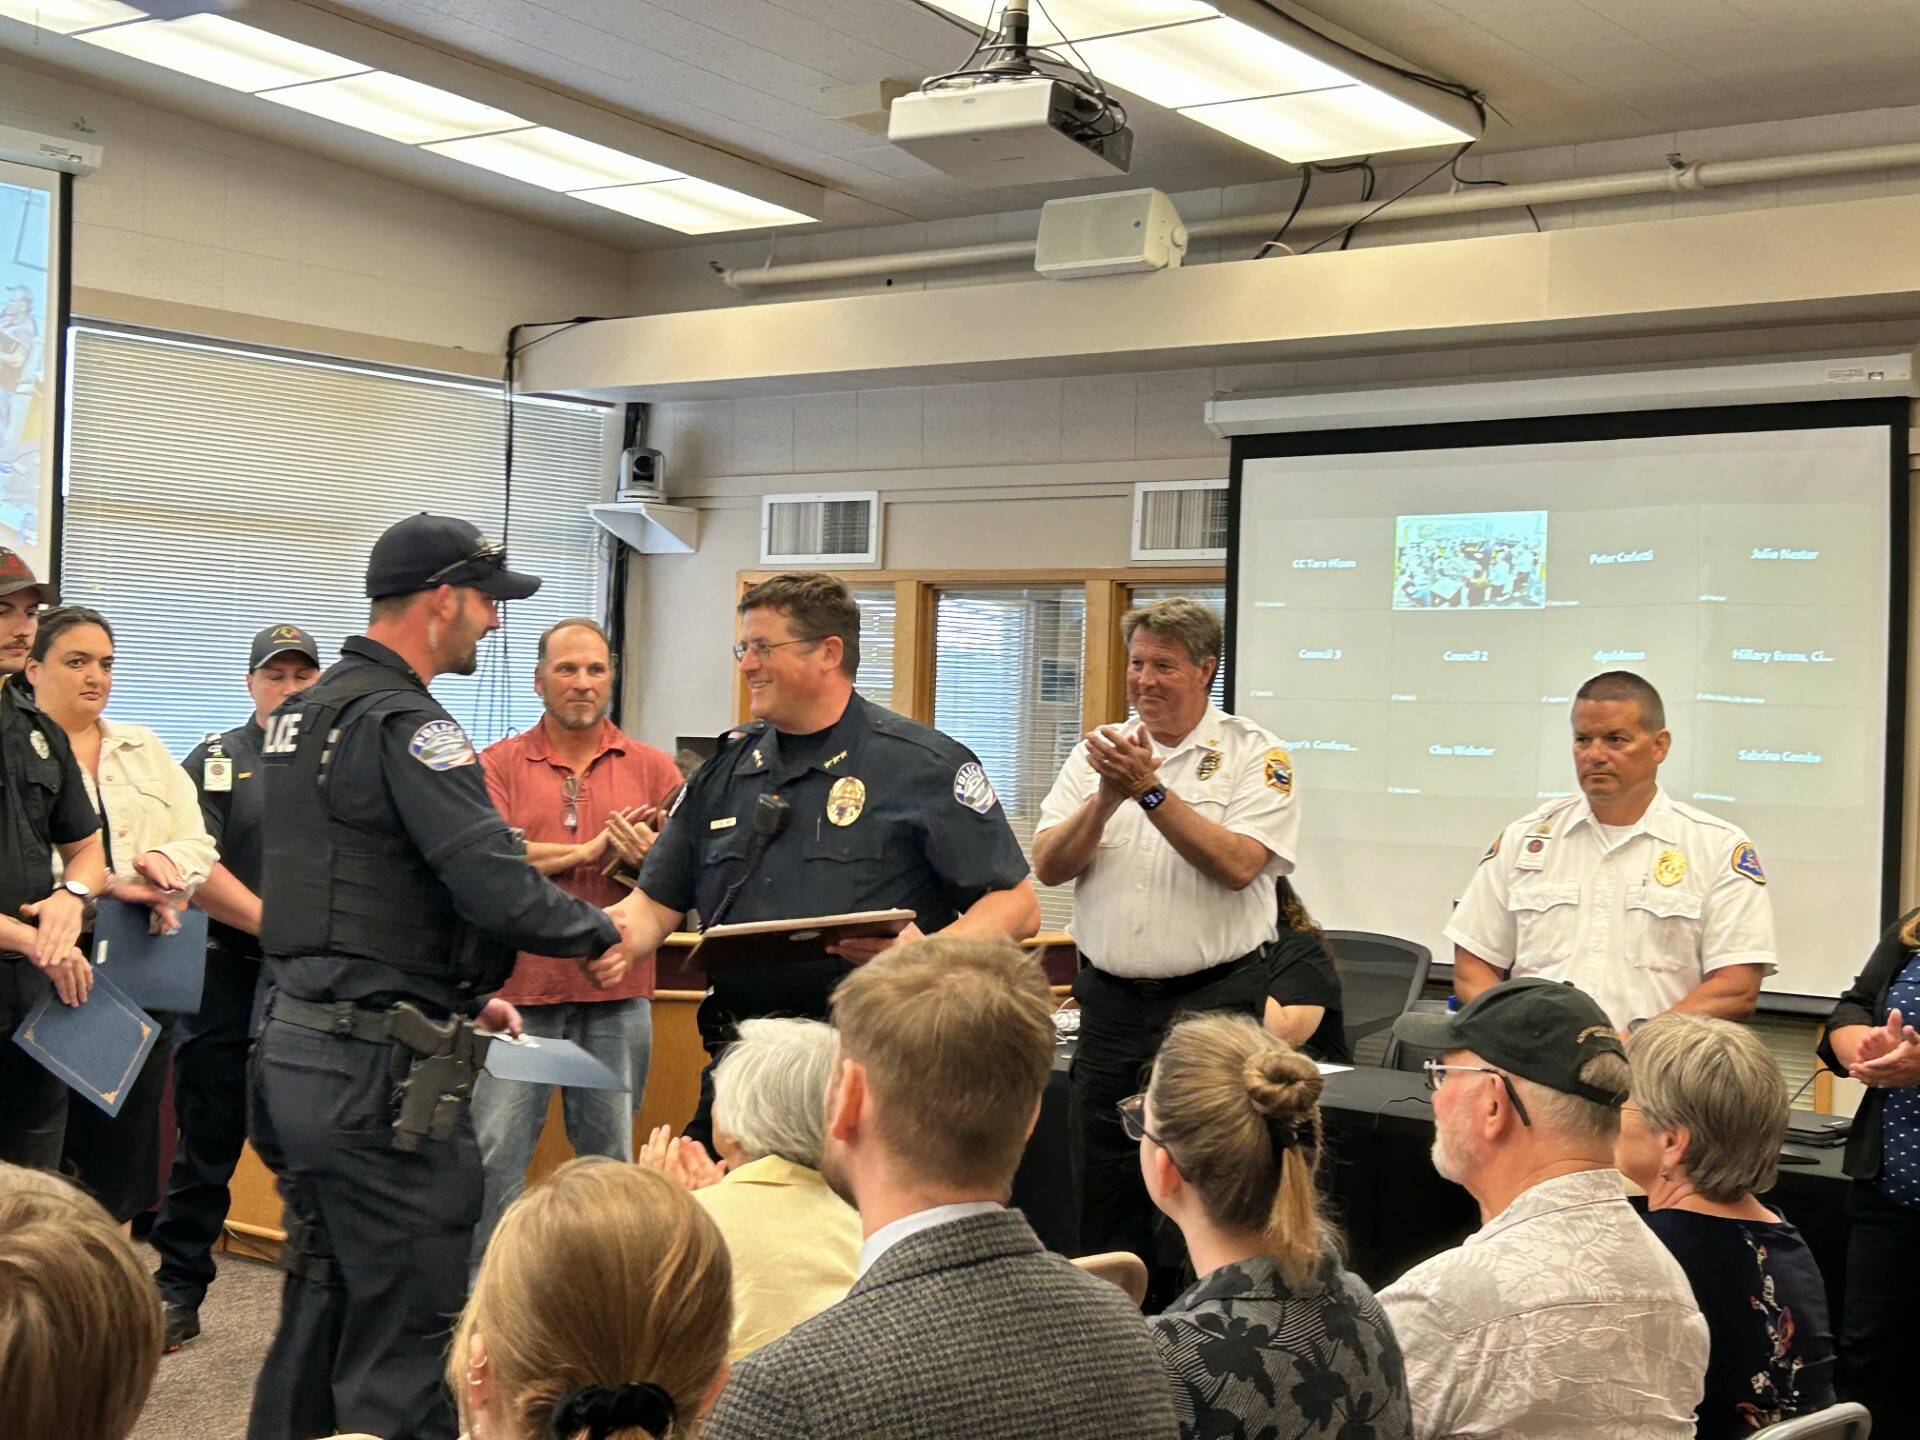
1014, 114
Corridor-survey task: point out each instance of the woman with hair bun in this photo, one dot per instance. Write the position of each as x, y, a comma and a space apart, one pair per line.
1276, 1338
601, 1312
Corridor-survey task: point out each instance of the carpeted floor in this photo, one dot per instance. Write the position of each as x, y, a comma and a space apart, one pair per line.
202, 1392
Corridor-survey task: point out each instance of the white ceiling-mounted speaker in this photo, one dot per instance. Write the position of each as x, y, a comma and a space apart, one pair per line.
842, 528
1181, 520
1118, 234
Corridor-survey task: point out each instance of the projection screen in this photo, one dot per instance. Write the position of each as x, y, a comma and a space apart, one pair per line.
1412, 610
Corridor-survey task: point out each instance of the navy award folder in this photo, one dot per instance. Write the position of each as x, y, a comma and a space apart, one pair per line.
97, 1048
161, 972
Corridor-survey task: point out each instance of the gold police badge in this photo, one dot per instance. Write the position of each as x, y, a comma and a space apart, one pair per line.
1209, 764
846, 800
1670, 868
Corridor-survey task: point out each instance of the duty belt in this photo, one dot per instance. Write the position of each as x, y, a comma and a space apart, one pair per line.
444, 1057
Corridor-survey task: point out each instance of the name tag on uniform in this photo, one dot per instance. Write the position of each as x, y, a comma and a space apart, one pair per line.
216, 775
725, 822
1533, 852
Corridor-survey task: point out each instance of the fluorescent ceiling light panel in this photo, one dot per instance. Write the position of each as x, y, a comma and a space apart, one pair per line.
398, 108
553, 160
693, 207
1328, 124
63, 17
1079, 19
223, 51
1205, 64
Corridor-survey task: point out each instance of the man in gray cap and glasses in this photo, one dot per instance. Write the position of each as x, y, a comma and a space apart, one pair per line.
1563, 1317
210, 1048
394, 898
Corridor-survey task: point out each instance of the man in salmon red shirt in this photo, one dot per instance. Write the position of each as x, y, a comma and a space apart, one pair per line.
587, 797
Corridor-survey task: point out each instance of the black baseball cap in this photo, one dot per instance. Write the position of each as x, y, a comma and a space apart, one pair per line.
15, 576
1541, 1030
424, 550
281, 640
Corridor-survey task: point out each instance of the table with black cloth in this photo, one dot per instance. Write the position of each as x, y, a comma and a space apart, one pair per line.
1382, 1189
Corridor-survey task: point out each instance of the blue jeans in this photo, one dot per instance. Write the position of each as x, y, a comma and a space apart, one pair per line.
508, 1115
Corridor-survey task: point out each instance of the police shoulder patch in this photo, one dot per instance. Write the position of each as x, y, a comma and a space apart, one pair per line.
441, 745
1492, 850
1277, 770
1746, 861
972, 788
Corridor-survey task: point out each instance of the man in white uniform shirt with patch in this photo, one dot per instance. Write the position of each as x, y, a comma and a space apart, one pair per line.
1645, 903
1175, 829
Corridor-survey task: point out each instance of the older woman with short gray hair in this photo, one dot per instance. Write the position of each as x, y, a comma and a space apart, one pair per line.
1702, 1137
795, 1244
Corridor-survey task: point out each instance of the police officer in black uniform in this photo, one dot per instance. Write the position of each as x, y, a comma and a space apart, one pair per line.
394, 899
210, 1048
883, 813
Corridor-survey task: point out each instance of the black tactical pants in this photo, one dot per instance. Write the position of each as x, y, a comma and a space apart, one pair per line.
210, 1107
1120, 1033
377, 1244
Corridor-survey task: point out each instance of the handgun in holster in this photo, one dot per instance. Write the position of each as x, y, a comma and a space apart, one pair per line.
447, 1055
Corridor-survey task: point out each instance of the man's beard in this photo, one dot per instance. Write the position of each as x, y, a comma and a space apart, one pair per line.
462, 655
1447, 1163
12, 661
567, 720
835, 1174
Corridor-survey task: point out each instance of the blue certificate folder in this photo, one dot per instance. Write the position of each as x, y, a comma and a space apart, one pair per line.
542, 1060
161, 972
97, 1048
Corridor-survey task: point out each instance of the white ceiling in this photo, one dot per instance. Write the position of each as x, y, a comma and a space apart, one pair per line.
748, 75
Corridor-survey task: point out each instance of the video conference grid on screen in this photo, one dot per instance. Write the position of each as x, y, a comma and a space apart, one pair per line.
1414, 624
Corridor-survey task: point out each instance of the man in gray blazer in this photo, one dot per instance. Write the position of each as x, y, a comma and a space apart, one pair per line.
960, 1325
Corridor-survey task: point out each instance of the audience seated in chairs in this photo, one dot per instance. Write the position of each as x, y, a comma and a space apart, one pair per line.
601, 1312
961, 1325
1277, 1338
795, 1244
1702, 1136
79, 1319
1561, 1318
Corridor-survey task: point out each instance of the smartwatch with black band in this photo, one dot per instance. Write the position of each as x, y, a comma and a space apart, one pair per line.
1151, 797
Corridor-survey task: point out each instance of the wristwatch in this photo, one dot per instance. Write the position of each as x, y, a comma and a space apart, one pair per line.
82, 893
1151, 797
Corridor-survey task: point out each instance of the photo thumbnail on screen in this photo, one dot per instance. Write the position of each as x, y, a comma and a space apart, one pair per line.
1493, 561
25, 235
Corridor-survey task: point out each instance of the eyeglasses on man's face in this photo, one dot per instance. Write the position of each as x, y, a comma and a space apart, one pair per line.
1436, 1073
761, 649
490, 554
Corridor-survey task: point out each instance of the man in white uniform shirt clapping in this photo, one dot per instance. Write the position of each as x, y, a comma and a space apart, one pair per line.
1175, 829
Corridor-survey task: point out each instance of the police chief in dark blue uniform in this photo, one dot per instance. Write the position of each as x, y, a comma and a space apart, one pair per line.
394, 899
886, 813
210, 1047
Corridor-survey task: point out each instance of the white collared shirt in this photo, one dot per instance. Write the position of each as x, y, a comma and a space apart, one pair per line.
1139, 909
890, 1235
1636, 924
1562, 1318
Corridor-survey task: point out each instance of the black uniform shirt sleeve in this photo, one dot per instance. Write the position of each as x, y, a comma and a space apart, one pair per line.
670, 874
73, 818
1299, 973
448, 814
214, 804
972, 852
1863, 1001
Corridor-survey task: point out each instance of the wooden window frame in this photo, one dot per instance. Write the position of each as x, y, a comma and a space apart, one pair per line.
916, 596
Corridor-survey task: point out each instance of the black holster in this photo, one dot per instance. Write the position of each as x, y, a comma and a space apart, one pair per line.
443, 1059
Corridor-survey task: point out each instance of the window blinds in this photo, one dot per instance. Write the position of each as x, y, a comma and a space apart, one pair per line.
875, 676
1214, 597
212, 491
1007, 684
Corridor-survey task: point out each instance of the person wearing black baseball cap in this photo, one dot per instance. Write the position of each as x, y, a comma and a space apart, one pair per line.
393, 899
1562, 1317
210, 1048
